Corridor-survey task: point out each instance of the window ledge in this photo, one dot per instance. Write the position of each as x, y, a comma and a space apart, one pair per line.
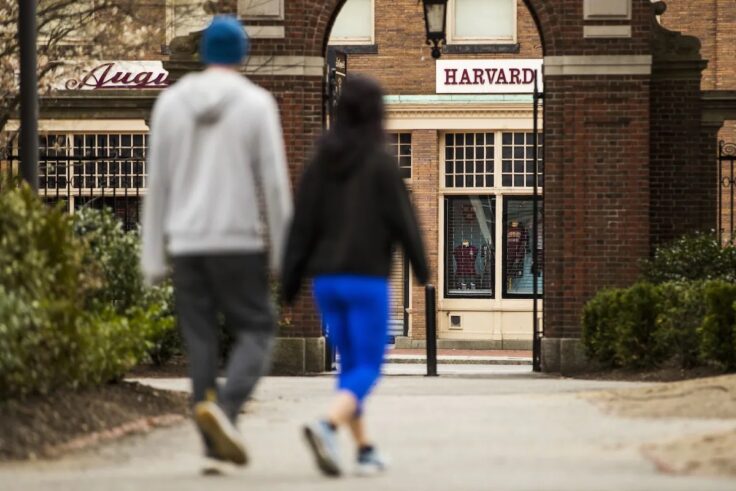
356, 49
463, 49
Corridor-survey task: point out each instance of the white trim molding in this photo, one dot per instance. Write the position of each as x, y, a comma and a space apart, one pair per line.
599, 32
607, 9
265, 32
598, 65
85, 125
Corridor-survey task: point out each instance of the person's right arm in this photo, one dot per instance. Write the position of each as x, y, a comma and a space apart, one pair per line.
402, 219
153, 249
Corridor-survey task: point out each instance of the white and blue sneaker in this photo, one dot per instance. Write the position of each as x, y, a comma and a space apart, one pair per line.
322, 439
370, 462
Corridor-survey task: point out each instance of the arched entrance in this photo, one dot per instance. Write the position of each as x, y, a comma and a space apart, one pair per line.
597, 182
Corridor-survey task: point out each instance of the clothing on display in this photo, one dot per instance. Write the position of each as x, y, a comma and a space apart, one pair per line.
469, 255
517, 247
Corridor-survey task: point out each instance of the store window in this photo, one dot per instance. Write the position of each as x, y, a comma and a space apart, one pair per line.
518, 261
469, 246
482, 21
400, 147
354, 23
517, 159
469, 160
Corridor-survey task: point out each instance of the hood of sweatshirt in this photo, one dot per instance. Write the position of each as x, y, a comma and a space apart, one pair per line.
344, 154
208, 94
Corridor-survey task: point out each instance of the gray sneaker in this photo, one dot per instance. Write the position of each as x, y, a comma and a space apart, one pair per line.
323, 442
370, 463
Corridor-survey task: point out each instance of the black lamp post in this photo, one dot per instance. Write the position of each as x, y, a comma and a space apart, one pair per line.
28, 92
435, 17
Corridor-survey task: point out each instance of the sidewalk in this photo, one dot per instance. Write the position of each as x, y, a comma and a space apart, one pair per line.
512, 432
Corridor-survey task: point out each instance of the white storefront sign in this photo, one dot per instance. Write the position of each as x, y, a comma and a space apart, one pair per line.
119, 75
488, 76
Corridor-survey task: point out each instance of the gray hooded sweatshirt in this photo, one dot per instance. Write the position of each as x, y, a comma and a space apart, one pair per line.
215, 138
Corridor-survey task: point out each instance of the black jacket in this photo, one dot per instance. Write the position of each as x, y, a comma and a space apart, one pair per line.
349, 215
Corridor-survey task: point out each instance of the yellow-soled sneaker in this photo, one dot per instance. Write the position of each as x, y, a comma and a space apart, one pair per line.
227, 443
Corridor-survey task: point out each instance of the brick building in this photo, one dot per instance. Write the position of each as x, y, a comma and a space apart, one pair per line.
632, 115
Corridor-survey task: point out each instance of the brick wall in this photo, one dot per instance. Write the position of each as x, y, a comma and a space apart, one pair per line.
424, 187
596, 191
713, 22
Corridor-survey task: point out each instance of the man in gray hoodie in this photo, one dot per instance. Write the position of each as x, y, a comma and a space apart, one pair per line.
215, 140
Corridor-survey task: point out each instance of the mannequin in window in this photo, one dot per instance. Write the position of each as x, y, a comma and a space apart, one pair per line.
517, 246
465, 257
488, 260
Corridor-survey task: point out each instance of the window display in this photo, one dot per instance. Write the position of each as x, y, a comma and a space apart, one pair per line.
470, 246
518, 246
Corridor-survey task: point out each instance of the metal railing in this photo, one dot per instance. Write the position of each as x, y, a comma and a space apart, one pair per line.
108, 180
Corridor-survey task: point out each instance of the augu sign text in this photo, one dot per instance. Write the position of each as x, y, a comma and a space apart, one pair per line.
488, 76
120, 75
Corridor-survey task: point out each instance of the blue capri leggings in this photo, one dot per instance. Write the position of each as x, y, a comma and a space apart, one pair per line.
355, 309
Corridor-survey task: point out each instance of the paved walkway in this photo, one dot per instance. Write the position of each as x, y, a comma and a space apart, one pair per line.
507, 431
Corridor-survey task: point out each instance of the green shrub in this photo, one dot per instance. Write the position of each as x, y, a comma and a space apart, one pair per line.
636, 345
123, 288
73, 311
600, 322
695, 257
718, 330
680, 313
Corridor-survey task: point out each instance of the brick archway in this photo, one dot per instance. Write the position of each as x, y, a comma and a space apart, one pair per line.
320, 20
597, 182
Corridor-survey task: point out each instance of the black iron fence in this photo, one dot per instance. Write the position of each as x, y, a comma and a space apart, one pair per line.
108, 179
726, 191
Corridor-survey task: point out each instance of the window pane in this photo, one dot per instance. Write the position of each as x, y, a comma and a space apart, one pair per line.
517, 166
473, 159
470, 251
354, 22
484, 19
519, 259
399, 145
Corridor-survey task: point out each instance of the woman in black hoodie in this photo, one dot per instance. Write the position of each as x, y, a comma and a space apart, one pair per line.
352, 208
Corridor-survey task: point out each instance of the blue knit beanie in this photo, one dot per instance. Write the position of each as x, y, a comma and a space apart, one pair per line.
224, 42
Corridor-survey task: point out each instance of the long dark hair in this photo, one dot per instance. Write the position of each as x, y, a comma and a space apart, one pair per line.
358, 125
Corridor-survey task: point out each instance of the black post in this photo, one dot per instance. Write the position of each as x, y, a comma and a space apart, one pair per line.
431, 317
537, 342
720, 193
28, 92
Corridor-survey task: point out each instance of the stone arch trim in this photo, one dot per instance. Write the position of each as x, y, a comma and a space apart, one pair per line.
322, 14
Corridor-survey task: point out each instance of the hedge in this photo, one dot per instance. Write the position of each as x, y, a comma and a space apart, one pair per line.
72, 313
648, 325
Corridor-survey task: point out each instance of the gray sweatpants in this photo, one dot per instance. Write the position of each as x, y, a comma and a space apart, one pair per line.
235, 286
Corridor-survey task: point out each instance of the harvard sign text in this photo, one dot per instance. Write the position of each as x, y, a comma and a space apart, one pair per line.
488, 76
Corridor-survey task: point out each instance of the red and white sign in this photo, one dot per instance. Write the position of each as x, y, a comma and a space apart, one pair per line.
488, 76
121, 75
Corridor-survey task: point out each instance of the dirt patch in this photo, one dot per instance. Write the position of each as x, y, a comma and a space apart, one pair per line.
42, 427
713, 455
713, 397
665, 374
706, 398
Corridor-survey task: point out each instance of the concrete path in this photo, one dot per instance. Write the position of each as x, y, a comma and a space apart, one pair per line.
505, 431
